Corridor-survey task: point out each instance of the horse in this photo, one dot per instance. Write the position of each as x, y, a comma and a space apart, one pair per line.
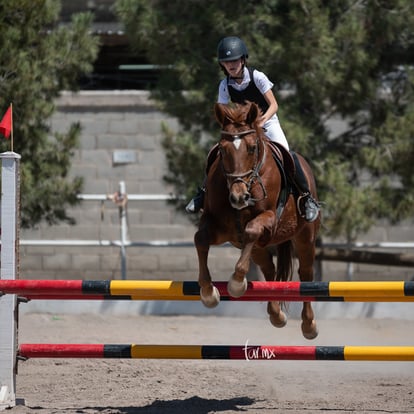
243, 188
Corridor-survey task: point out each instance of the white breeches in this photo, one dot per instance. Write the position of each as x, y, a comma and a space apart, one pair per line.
274, 132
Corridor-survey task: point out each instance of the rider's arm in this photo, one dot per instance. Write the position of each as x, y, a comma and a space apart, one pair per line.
273, 106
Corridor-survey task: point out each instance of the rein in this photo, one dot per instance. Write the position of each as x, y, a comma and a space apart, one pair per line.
253, 173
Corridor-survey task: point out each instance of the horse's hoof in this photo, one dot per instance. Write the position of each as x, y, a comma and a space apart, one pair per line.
236, 289
212, 300
280, 321
310, 331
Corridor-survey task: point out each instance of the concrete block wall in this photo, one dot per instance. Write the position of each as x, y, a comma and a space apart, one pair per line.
117, 121
128, 121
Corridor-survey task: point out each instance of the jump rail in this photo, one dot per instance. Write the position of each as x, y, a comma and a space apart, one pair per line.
237, 352
386, 291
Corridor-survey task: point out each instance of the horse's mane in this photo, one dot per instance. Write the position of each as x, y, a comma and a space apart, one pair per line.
236, 113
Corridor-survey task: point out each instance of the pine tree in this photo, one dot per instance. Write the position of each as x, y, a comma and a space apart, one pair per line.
336, 60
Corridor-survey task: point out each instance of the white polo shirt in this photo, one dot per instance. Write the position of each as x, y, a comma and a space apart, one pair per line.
261, 81
272, 126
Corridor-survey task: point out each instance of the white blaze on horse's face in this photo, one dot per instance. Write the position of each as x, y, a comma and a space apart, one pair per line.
237, 142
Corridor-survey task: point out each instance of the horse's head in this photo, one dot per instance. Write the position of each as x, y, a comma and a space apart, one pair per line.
241, 149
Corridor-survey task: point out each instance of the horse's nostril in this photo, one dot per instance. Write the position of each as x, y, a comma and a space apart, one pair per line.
246, 196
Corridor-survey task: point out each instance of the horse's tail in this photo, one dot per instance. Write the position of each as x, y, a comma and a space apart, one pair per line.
284, 268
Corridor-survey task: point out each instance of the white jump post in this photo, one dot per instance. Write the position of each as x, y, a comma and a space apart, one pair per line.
10, 214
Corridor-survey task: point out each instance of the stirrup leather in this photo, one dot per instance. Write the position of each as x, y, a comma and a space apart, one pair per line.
301, 210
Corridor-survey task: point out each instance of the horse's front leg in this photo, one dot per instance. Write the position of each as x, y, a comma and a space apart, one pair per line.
237, 284
209, 294
260, 227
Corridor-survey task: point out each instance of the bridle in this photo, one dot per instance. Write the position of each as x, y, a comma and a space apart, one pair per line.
252, 175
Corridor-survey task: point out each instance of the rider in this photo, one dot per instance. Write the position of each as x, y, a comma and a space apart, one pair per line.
242, 84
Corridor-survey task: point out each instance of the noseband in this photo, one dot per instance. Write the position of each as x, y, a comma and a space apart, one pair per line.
252, 174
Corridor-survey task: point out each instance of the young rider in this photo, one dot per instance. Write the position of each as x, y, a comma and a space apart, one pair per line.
243, 84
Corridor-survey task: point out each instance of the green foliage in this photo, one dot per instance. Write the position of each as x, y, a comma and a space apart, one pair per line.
185, 158
39, 58
338, 60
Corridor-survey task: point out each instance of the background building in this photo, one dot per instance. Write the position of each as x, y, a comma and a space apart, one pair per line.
116, 66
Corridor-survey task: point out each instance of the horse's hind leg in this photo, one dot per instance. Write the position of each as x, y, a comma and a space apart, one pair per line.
264, 259
305, 248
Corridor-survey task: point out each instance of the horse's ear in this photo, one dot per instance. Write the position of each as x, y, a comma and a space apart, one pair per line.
253, 113
219, 113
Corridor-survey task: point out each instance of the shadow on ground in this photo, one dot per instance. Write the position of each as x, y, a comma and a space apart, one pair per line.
191, 405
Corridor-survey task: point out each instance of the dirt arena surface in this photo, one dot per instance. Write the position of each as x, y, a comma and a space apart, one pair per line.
204, 386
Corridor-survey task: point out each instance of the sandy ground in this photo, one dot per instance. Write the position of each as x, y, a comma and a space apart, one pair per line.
205, 386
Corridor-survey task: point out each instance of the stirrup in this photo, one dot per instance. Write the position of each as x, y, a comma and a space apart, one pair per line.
308, 208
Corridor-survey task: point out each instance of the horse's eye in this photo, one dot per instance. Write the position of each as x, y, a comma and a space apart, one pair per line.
251, 149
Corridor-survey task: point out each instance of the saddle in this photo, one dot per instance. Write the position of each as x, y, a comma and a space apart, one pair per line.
286, 163
211, 156
281, 154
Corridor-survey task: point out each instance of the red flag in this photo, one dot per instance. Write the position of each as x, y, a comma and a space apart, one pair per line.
6, 123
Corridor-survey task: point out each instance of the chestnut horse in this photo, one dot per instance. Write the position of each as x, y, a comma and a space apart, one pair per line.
243, 187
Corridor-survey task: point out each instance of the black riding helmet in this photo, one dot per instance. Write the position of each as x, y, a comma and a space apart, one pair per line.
231, 48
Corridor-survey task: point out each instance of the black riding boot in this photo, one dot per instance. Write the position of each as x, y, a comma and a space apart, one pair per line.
308, 207
196, 204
